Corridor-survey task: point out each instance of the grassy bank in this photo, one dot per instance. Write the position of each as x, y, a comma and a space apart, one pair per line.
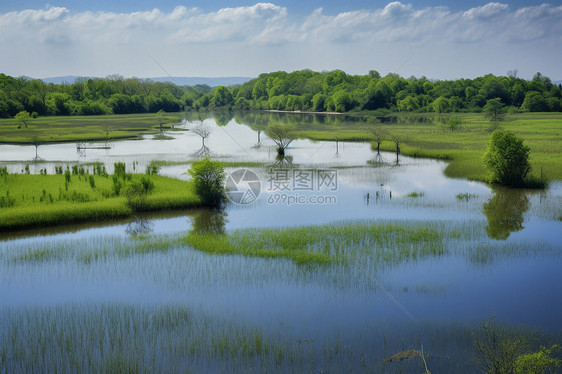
464, 146
44, 200
84, 128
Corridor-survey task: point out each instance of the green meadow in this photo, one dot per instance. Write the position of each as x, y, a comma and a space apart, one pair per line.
462, 146
46, 200
420, 135
84, 128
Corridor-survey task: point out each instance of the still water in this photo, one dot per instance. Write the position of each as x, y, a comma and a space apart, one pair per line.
505, 263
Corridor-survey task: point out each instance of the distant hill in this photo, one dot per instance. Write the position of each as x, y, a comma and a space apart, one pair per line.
180, 81
64, 79
213, 82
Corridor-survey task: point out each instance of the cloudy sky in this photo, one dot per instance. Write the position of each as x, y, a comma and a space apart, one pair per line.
439, 39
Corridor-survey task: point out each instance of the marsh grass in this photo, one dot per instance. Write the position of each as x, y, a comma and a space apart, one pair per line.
375, 246
466, 196
415, 194
386, 243
94, 251
161, 333
83, 128
46, 200
463, 148
118, 337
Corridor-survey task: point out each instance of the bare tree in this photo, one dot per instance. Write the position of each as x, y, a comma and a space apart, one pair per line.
397, 140
204, 131
35, 141
378, 137
282, 136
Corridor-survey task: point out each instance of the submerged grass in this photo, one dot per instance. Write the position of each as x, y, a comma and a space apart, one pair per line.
374, 245
325, 244
118, 338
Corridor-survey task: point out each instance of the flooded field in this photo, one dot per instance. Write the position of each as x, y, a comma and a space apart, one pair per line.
338, 258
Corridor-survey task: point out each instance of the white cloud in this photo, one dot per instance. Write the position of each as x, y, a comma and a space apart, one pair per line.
247, 36
487, 11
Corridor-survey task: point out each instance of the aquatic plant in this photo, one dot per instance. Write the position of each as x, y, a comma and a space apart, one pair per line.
497, 347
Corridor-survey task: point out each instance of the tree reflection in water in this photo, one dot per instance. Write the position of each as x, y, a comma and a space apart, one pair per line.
139, 227
504, 212
209, 221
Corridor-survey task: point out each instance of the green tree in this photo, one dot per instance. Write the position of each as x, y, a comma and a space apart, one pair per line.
538, 362
507, 158
24, 118
282, 136
534, 102
208, 177
318, 102
342, 101
161, 119
441, 105
408, 104
221, 97
494, 110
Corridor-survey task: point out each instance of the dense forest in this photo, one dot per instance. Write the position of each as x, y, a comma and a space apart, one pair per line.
303, 90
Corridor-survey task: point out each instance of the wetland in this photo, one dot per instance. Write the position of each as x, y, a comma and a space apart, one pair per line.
332, 258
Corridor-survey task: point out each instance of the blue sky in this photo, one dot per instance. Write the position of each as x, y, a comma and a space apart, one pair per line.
298, 7
436, 39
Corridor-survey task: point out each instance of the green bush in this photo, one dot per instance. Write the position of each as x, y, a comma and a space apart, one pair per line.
209, 178
497, 348
137, 191
120, 170
507, 159
117, 185
153, 168
537, 363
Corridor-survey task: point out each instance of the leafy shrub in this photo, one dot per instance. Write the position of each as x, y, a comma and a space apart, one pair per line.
7, 201
497, 348
209, 178
537, 363
117, 185
120, 171
147, 184
153, 168
507, 158
136, 193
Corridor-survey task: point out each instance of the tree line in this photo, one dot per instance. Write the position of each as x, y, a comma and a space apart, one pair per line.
303, 90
